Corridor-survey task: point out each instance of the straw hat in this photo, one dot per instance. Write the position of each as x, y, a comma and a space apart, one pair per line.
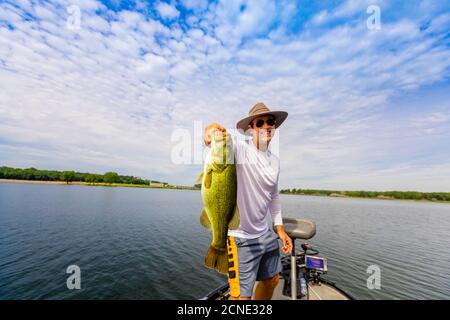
259, 110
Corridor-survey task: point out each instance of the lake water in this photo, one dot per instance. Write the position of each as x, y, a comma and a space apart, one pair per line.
148, 244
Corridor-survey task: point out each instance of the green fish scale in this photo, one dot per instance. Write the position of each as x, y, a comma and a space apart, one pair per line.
219, 201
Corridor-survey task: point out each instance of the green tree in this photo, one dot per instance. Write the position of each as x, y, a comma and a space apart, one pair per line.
90, 178
67, 176
111, 177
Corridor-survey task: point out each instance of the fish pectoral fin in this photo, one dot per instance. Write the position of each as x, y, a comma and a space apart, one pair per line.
235, 219
204, 220
208, 179
200, 178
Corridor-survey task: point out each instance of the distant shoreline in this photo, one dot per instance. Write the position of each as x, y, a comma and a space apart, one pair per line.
102, 184
360, 197
99, 184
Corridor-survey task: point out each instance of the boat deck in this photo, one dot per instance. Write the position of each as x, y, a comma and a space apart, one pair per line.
322, 291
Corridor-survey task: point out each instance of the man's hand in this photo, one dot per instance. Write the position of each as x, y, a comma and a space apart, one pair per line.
287, 241
209, 129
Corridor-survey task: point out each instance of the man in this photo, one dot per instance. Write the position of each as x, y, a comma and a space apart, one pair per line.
253, 248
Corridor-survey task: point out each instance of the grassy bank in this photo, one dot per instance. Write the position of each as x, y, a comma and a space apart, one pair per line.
385, 195
98, 184
72, 176
138, 186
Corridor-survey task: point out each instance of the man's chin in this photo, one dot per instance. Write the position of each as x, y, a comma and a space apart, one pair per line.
265, 139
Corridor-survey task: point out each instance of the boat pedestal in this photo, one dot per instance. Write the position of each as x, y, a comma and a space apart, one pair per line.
293, 272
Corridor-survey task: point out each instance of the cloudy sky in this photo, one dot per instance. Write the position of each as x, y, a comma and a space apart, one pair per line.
368, 106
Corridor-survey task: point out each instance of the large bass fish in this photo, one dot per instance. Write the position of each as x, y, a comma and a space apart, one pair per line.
218, 189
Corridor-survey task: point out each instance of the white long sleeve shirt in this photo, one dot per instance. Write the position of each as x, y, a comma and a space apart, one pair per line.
257, 189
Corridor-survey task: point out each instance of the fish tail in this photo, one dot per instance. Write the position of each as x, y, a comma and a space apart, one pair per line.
217, 259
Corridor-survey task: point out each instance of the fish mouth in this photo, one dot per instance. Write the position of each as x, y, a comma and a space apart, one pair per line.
219, 136
220, 139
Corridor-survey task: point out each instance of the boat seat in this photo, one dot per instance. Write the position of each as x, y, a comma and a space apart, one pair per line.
299, 228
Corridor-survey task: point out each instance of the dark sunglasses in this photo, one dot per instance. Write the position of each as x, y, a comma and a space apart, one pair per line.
260, 123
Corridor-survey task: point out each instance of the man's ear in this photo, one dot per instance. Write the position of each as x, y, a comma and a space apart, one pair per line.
249, 128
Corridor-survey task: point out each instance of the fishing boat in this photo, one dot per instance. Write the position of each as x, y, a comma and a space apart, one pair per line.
308, 270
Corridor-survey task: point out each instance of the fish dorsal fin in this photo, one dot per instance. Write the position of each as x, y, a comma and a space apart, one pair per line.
204, 220
235, 219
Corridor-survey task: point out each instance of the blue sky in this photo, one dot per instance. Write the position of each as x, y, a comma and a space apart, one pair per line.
368, 109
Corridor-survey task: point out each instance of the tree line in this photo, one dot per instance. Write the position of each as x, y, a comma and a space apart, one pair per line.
68, 176
409, 195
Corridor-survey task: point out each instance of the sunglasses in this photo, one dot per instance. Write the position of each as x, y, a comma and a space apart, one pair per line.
260, 123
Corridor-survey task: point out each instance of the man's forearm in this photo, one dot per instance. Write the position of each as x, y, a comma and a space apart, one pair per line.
279, 229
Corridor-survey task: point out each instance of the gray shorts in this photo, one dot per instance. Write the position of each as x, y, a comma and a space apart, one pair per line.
251, 260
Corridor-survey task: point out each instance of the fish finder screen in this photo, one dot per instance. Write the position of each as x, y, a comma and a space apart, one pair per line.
315, 263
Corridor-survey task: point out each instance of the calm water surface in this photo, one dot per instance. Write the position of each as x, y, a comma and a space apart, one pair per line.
148, 244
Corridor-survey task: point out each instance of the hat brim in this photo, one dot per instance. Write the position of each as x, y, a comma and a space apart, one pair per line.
280, 116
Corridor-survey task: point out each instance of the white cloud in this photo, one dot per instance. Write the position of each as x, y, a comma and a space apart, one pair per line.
195, 4
406, 178
43, 13
153, 67
347, 9
441, 23
238, 19
431, 123
167, 11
